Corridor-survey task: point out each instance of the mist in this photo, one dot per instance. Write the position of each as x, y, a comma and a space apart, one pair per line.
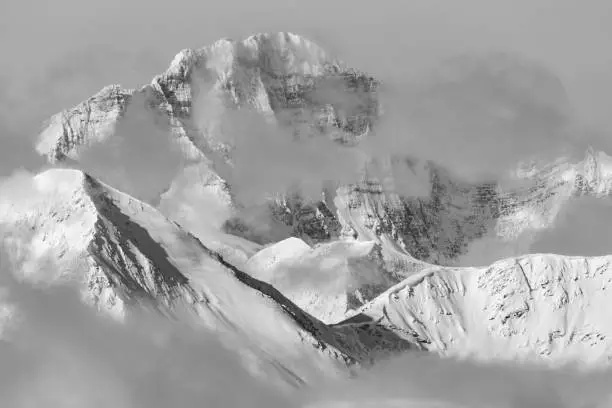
67, 51
268, 160
429, 381
140, 159
56, 54
582, 228
58, 352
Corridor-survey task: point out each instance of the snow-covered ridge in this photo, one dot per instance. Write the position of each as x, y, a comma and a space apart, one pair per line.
122, 253
262, 60
331, 280
92, 121
546, 306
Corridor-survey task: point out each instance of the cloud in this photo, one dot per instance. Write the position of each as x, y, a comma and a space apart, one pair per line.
60, 53
427, 380
268, 159
477, 115
581, 228
141, 158
61, 353
80, 49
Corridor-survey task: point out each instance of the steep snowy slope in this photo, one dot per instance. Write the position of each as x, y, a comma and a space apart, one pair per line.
121, 253
331, 279
535, 306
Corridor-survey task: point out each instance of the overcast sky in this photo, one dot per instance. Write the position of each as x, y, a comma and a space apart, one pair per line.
55, 53
58, 53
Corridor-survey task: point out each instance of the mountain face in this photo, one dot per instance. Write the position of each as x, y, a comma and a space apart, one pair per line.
295, 85
148, 208
547, 307
446, 227
390, 260
122, 253
275, 75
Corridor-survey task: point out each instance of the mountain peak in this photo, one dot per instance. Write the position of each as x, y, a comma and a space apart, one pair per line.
276, 54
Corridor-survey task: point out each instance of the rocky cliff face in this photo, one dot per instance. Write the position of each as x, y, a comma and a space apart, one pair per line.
440, 228
297, 86
277, 75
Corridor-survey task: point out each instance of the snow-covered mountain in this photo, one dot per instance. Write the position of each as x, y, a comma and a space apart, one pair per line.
120, 253
331, 279
307, 288
295, 85
272, 74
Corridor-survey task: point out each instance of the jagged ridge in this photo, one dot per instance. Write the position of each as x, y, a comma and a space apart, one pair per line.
536, 306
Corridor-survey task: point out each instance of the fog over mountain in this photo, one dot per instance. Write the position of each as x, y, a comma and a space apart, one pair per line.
305, 204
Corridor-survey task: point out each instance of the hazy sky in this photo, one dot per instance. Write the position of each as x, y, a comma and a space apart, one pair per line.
58, 53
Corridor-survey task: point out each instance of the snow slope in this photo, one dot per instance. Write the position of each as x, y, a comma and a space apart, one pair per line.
331, 279
66, 227
536, 306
